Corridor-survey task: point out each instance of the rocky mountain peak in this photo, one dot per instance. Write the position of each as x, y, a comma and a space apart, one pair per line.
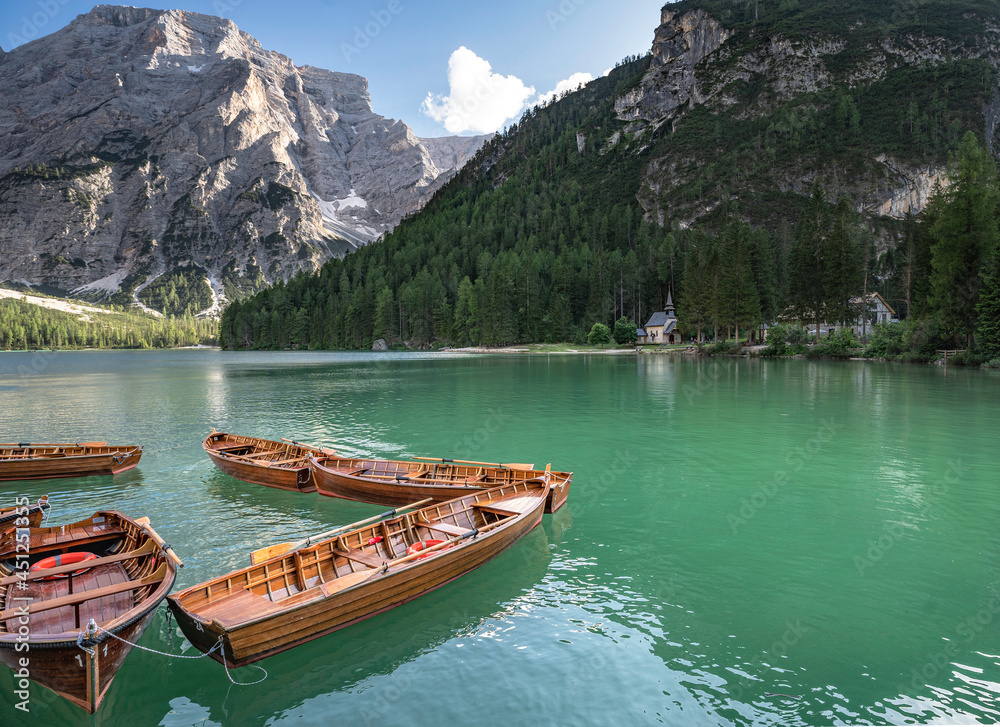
137, 141
681, 42
120, 16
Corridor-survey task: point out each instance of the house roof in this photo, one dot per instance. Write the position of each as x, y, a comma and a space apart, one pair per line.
670, 326
640, 331
871, 299
657, 319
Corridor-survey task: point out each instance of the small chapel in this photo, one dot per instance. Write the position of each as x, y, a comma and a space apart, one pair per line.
661, 326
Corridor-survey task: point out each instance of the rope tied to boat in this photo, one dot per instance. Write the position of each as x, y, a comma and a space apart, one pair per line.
46, 507
93, 629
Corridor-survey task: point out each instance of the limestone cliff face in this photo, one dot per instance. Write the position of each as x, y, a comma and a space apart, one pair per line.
697, 62
682, 41
134, 140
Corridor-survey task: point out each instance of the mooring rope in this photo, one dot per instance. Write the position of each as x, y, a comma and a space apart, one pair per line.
218, 645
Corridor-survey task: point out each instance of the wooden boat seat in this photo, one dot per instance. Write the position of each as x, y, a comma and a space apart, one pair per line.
91, 534
259, 454
231, 448
64, 619
496, 510
475, 479
361, 557
81, 598
447, 528
517, 505
238, 607
288, 461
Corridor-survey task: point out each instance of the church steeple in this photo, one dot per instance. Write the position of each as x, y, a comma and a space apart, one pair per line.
670, 306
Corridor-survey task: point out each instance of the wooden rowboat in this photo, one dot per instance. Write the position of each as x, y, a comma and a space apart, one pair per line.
284, 465
75, 623
391, 482
256, 612
25, 461
23, 514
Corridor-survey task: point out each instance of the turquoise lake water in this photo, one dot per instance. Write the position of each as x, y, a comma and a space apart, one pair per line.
746, 542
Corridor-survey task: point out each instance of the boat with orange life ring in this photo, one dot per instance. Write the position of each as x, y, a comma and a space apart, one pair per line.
82, 628
424, 545
63, 559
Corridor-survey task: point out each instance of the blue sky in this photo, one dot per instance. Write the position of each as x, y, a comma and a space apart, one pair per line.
406, 48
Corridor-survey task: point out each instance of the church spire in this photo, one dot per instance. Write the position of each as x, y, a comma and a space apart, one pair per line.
670, 305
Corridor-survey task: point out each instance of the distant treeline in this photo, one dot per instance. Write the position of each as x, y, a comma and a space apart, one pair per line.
25, 326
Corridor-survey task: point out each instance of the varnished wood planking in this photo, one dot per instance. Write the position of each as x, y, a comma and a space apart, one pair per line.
253, 626
395, 483
262, 461
66, 461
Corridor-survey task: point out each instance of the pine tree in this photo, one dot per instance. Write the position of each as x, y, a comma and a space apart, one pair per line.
988, 312
964, 236
842, 266
739, 300
807, 264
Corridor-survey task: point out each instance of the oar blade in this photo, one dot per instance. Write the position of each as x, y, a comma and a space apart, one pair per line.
272, 551
347, 581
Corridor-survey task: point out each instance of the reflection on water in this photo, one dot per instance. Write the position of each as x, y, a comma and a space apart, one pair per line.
746, 542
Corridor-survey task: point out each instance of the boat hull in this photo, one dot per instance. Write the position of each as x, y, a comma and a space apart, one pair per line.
28, 516
78, 676
297, 480
256, 639
293, 479
85, 465
333, 482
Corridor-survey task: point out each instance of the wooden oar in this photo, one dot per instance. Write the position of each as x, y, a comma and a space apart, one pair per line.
273, 551
509, 465
146, 549
143, 523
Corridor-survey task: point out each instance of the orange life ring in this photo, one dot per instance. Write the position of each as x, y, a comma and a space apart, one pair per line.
422, 545
67, 559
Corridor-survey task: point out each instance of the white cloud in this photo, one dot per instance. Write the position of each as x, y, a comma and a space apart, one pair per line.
567, 86
479, 100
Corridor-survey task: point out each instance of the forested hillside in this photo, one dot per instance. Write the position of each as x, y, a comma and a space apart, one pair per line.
763, 200
26, 326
